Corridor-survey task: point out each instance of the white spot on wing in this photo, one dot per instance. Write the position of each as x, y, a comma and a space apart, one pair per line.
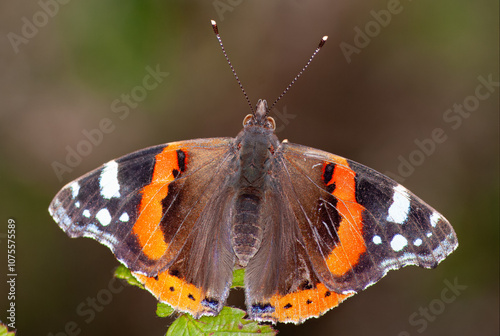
108, 181
377, 240
429, 234
400, 207
434, 218
86, 213
75, 188
398, 242
417, 242
103, 217
124, 217
77, 204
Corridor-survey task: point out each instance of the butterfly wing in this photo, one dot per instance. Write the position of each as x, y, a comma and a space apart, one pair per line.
343, 227
163, 213
280, 282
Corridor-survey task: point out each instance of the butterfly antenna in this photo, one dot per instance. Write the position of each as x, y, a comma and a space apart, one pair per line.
320, 45
216, 31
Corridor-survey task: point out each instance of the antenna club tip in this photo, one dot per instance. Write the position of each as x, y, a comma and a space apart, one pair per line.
322, 42
214, 26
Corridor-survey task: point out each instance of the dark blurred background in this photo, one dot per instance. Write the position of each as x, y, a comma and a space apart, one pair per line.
63, 64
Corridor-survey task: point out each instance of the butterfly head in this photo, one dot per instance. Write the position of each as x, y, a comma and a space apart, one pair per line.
259, 117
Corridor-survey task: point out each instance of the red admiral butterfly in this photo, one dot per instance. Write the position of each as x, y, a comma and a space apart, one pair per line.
310, 228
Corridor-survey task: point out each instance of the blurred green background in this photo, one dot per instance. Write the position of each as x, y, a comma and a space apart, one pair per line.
61, 79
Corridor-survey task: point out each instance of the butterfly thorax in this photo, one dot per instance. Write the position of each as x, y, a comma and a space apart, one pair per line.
256, 145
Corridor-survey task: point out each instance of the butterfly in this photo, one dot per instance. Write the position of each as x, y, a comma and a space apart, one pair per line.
309, 228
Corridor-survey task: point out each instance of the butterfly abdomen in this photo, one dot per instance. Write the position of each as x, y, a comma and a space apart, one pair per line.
246, 234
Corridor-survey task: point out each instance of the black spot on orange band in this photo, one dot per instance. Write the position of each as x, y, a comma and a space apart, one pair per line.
328, 172
331, 187
181, 160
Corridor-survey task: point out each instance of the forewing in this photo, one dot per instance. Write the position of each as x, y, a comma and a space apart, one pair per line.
162, 212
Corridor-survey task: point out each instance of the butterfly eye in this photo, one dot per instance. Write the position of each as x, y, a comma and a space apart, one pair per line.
247, 119
272, 123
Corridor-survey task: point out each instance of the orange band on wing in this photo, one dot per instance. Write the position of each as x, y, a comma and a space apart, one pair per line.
175, 292
147, 228
350, 231
298, 306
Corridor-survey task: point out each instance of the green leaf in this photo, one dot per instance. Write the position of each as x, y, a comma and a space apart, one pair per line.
229, 322
4, 331
124, 273
164, 310
238, 278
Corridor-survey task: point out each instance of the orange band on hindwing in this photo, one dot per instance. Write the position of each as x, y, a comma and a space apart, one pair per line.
175, 292
298, 306
147, 228
350, 231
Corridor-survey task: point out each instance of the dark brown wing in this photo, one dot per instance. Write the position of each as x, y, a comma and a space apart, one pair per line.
163, 211
280, 282
336, 228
